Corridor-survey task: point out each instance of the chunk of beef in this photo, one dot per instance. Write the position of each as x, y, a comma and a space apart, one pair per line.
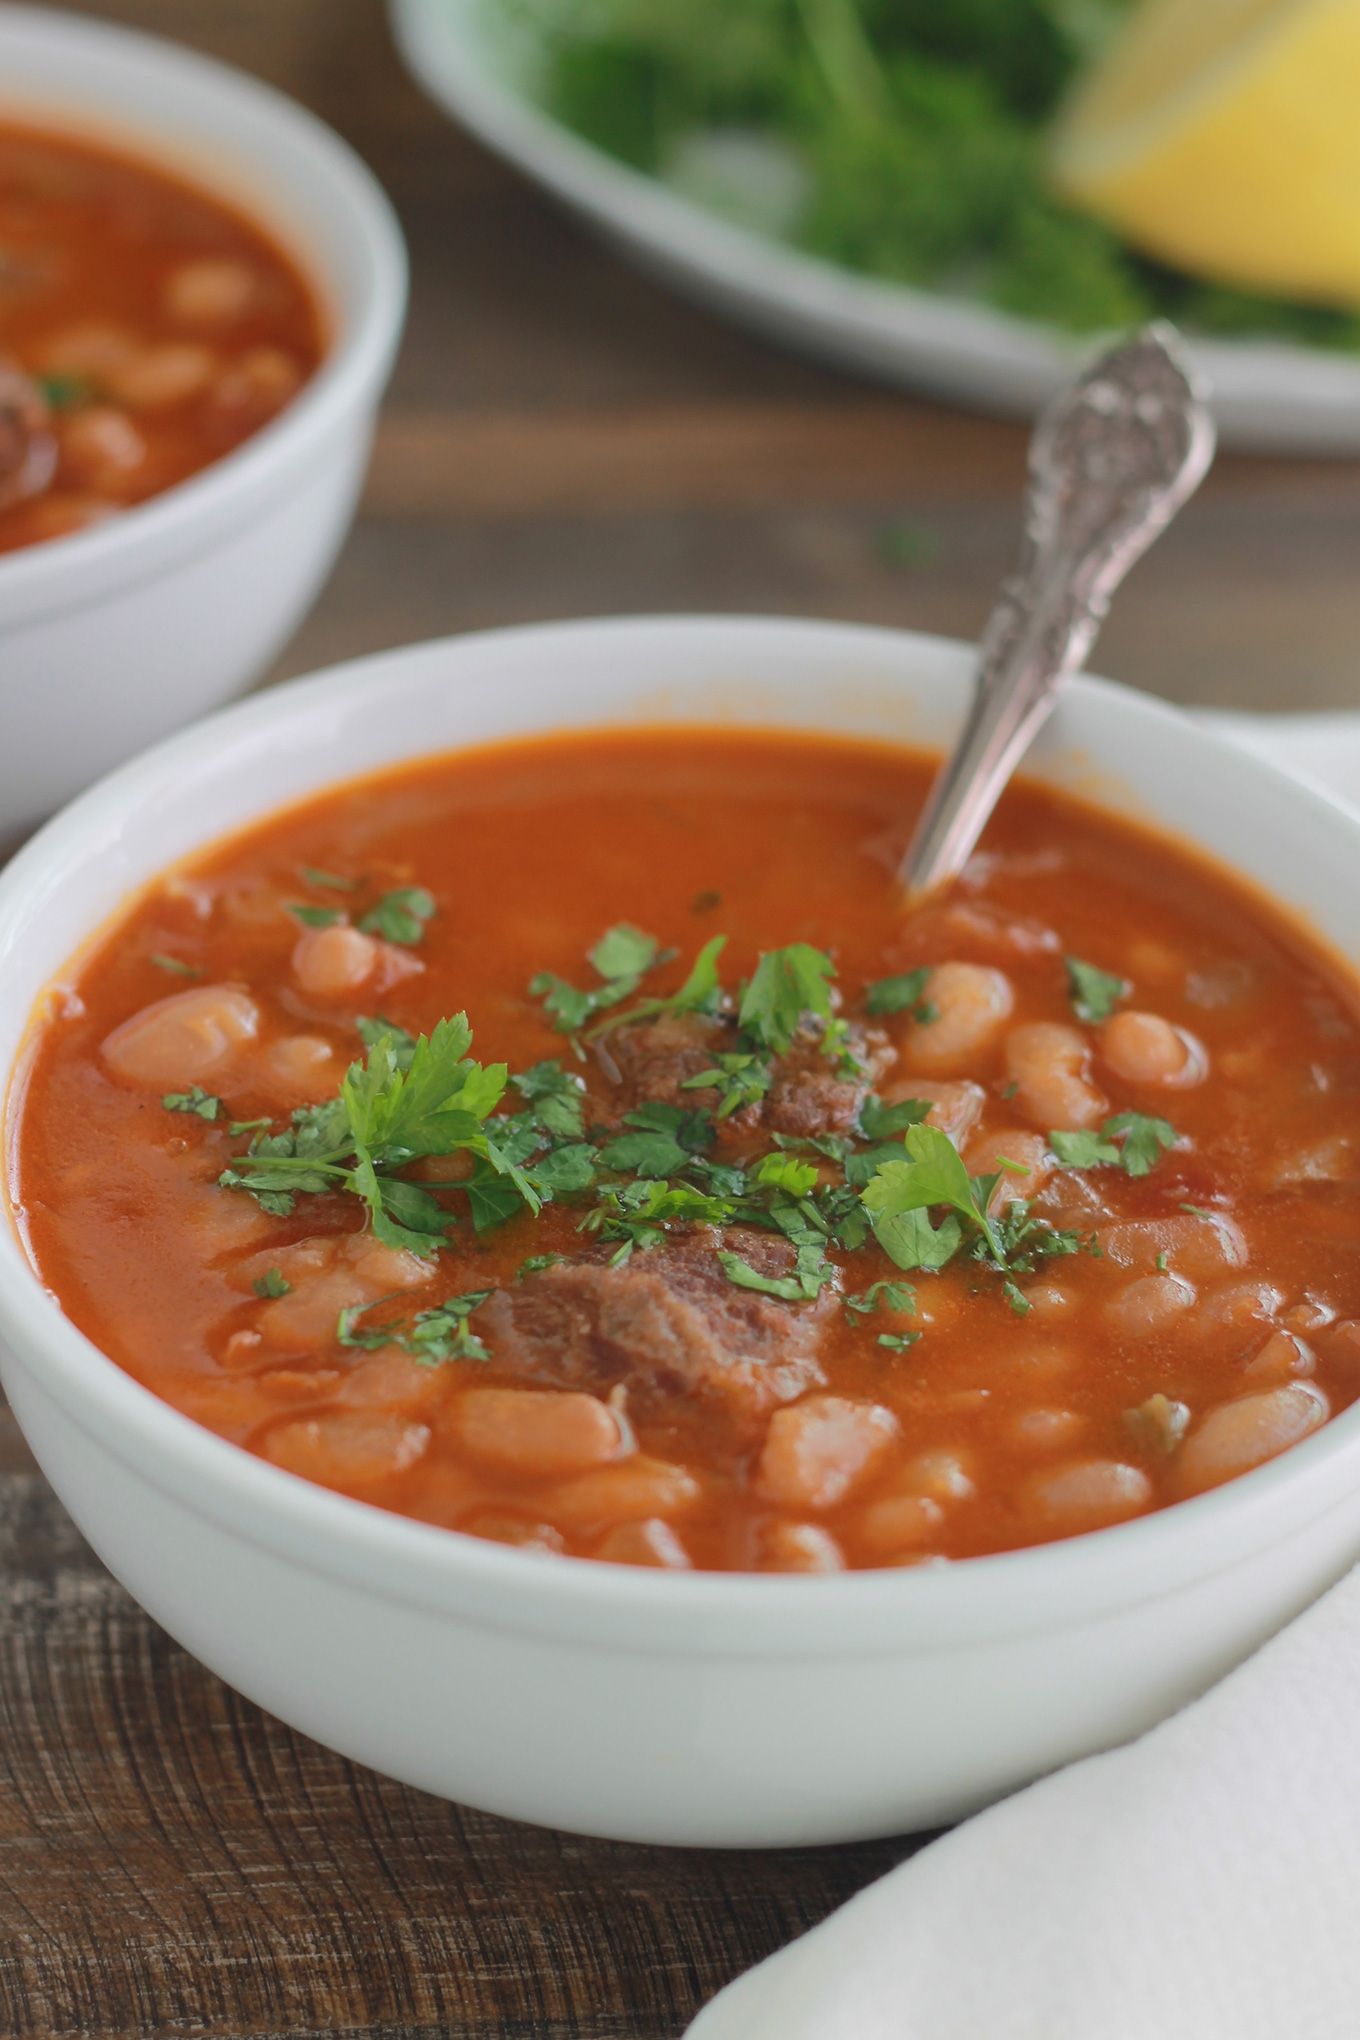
648, 1064
669, 1321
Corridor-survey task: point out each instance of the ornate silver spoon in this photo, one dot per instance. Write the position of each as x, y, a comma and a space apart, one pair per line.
1111, 461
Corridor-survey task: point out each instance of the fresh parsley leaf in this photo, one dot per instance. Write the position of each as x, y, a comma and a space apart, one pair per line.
493, 1197
271, 1283
898, 1342
645, 1154
442, 1333
400, 916
811, 1273
742, 1080
878, 1121
1082, 1150
909, 1238
372, 1031
623, 951
536, 1263
897, 994
240, 1126
567, 1168
787, 984
554, 1096
201, 1103
330, 880
784, 1172
1094, 993
316, 917
700, 993
1144, 1139
892, 1295
64, 392
931, 1174
1131, 1141
368, 1338
175, 965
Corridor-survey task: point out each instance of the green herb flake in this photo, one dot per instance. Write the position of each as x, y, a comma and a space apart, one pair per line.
898, 1342
330, 881
201, 1103
1094, 993
705, 902
892, 1295
271, 1283
240, 1126
1131, 1141
897, 994
399, 916
535, 1265
175, 965
315, 917
1158, 1424
788, 983
880, 1122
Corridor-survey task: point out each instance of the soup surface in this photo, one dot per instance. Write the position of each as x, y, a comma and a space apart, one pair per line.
803, 1232
145, 330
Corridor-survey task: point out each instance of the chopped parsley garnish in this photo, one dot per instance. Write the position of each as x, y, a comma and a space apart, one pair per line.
701, 992
892, 1295
1094, 993
400, 916
316, 917
622, 957
665, 1140
898, 1342
555, 1097
372, 1031
811, 1272
271, 1283
901, 1195
880, 1122
201, 1103
386, 1116
705, 902
175, 964
898, 994
329, 880
1131, 1141
787, 984
240, 1126
434, 1335
65, 392
536, 1263
742, 1080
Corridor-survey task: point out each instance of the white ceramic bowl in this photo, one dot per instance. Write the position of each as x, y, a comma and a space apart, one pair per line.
112, 637
700, 1708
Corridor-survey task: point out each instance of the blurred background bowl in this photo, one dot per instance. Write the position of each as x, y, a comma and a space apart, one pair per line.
116, 635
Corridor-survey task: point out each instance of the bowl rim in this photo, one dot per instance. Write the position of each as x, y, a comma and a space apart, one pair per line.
195, 514
876, 1611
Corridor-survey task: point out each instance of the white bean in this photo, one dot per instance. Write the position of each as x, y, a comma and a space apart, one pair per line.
1242, 1434
347, 1448
1282, 1358
1049, 1066
900, 1523
986, 1152
184, 1038
816, 1450
1195, 1246
154, 378
1142, 1048
1149, 1304
215, 290
538, 1433
954, 1107
649, 1542
1086, 1493
799, 1547
328, 962
972, 1003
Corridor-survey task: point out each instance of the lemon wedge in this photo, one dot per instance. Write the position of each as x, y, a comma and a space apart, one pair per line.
1223, 136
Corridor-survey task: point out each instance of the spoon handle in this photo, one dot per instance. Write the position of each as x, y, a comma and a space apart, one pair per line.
1112, 459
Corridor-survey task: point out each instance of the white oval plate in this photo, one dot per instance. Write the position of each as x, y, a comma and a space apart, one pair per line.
1267, 396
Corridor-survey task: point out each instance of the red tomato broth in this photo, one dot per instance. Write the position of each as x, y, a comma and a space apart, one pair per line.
531, 850
155, 328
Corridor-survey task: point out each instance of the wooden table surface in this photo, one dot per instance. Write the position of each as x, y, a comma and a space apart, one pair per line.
561, 437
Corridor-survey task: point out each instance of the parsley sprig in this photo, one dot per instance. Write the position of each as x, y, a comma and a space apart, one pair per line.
1131, 1141
432, 1336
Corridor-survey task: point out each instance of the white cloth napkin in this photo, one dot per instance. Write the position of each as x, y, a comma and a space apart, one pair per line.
1202, 1883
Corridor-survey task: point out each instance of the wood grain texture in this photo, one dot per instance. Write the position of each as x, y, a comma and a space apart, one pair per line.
562, 437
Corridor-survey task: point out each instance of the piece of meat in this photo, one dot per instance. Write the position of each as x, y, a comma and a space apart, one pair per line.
667, 1321
648, 1064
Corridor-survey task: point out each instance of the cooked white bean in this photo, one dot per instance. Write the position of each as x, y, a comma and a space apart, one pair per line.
540, 1433
1149, 1304
347, 1448
816, 1450
799, 1547
328, 962
1086, 1493
634, 1488
500, 1528
154, 378
385, 1268
1235, 1306
1143, 1048
184, 1038
941, 1475
650, 1542
1044, 1429
1193, 1245
214, 290
900, 1522
986, 1152
954, 1107
260, 383
1049, 1066
304, 1065
391, 1380
1242, 1434
101, 447
972, 1003
1046, 1300
1282, 1358
90, 347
